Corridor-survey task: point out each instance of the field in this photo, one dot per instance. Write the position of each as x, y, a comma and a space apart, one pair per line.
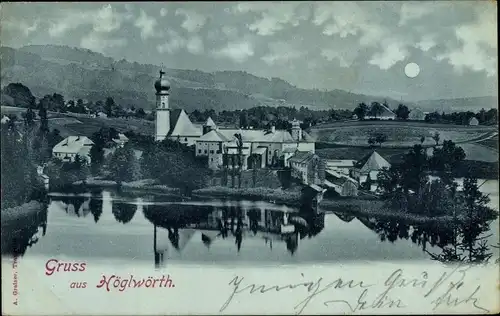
400, 134
81, 124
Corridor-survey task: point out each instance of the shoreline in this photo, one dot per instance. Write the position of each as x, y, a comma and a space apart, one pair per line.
24, 210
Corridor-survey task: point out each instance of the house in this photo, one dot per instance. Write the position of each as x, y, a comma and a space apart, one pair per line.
5, 119
341, 184
473, 121
354, 117
71, 146
416, 115
367, 169
307, 167
386, 114
101, 114
342, 166
121, 140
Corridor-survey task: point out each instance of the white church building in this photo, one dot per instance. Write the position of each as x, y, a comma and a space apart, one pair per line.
259, 147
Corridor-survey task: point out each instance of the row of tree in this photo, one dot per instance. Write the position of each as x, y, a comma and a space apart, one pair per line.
22, 97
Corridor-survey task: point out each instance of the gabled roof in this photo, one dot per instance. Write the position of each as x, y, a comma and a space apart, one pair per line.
74, 145
302, 157
385, 111
337, 178
181, 125
371, 162
264, 136
210, 122
214, 136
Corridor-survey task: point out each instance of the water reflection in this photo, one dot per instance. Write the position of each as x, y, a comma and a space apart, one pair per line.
20, 234
234, 225
226, 222
457, 241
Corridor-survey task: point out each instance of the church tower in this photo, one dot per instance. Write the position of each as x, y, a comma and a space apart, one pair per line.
162, 121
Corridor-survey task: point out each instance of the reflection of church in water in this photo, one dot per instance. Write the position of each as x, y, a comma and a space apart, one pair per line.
209, 224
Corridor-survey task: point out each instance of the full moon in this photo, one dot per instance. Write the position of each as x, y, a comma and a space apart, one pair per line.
412, 70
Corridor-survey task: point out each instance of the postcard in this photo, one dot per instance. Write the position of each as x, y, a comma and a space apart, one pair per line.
249, 158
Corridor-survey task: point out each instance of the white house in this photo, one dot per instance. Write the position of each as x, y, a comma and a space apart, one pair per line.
386, 114
369, 167
5, 119
416, 115
121, 140
68, 148
473, 122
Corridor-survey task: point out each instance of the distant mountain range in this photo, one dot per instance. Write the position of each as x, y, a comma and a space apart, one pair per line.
81, 73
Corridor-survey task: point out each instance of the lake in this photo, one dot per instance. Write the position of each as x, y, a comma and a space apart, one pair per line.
161, 229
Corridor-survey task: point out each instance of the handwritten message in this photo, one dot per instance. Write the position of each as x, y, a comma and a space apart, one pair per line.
448, 289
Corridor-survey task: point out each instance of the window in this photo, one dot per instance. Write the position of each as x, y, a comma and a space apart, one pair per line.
199, 151
185, 139
211, 151
205, 151
211, 159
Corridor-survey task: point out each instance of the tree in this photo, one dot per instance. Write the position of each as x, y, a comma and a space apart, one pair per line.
380, 138
447, 158
422, 140
21, 95
96, 157
110, 106
371, 141
29, 118
124, 165
139, 113
436, 137
376, 109
243, 119
361, 110
402, 112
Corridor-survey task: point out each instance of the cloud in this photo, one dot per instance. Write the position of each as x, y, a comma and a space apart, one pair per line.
163, 12
391, 54
98, 42
195, 45
345, 59
103, 20
22, 26
415, 10
281, 53
174, 43
238, 51
478, 44
426, 43
273, 17
147, 25
193, 21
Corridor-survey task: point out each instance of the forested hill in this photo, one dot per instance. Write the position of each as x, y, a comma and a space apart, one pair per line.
81, 73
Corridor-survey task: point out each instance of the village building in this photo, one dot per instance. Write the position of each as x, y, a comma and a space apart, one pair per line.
256, 148
340, 183
71, 146
473, 121
387, 114
307, 167
101, 114
367, 169
120, 141
342, 166
416, 115
5, 119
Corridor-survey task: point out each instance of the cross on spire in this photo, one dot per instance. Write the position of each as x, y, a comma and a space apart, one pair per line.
161, 70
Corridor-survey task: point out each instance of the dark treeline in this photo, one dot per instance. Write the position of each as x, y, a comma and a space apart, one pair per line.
22, 97
462, 118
